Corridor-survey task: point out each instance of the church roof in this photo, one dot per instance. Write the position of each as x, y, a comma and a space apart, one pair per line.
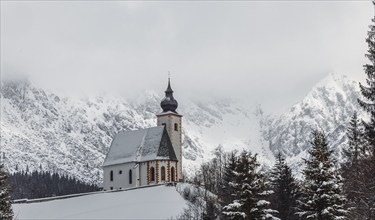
140, 145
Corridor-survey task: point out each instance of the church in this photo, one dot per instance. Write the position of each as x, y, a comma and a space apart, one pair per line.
147, 156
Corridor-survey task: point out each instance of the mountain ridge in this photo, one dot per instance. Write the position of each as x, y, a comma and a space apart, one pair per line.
69, 135
328, 106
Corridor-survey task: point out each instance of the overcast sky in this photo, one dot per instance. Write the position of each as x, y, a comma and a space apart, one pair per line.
264, 52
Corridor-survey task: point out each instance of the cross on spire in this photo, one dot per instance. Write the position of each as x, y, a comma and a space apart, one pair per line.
169, 89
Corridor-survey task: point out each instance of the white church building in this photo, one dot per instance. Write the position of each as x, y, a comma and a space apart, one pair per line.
147, 156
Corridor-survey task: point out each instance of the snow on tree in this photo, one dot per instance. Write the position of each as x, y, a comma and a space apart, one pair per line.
285, 190
354, 134
6, 211
359, 172
250, 191
228, 177
351, 170
368, 101
322, 195
359, 185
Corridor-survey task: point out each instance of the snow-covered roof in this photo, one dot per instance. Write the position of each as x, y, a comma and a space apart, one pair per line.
140, 145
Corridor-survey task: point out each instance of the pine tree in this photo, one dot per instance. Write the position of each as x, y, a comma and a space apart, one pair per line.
368, 92
322, 197
44, 184
250, 192
228, 177
6, 211
354, 135
351, 170
285, 190
359, 187
360, 178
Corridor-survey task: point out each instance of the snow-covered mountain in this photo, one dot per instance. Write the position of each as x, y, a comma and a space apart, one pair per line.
328, 106
43, 130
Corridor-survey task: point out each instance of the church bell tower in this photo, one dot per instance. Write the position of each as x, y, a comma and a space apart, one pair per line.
172, 121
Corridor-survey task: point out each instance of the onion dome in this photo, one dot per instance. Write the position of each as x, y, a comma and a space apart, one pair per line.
169, 103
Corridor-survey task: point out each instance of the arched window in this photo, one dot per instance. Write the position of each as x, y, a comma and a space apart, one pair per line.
111, 175
152, 172
172, 174
175, 126
162, 170
130, 177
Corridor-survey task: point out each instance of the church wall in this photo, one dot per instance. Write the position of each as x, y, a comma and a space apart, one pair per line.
143, 171
120, 181
175, 136
164, 164
158, 177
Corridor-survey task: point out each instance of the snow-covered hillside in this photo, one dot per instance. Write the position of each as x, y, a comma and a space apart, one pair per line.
159, 202
43, 130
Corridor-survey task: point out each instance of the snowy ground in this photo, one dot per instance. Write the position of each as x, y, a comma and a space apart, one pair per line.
158, 202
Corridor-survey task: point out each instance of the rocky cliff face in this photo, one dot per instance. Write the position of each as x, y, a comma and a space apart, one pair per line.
42, 130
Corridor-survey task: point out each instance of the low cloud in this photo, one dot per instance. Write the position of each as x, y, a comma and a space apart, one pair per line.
264, 52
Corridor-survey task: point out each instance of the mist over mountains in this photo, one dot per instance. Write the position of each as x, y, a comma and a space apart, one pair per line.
45, 131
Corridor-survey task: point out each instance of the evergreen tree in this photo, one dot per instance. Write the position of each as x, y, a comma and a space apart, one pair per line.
368, 92
6, 211
228, 177
285, 190
44, 184
358, 172
250, 192
354, 134
359, 187
360, 178
322, 197
351, 169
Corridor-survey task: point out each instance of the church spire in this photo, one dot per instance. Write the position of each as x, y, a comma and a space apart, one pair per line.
169, 103
169, 89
